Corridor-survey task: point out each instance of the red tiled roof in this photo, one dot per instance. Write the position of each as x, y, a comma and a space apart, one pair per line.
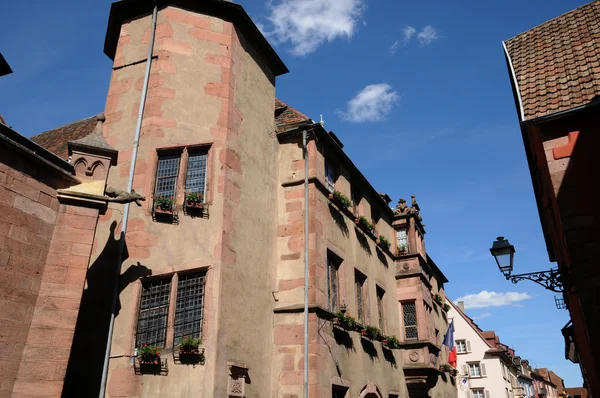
56, 140
285, 114
557, 64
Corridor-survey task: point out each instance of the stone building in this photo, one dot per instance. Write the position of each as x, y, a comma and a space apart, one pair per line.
554, 71
217, 250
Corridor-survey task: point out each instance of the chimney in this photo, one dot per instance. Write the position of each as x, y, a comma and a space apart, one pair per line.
461, 305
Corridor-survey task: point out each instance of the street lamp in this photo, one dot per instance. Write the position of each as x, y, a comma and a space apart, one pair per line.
504, 254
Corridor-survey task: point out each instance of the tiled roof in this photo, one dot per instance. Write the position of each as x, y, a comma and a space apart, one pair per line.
56, 140
557, 64
285, 114
556, 379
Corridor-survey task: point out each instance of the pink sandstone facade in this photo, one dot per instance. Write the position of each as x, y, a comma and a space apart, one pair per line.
232, 271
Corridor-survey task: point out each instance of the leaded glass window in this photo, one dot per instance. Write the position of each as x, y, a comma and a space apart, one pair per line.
330, 174
359, 281
154, 310
166, 176
189, 306
334, 298
409, 312
195, 179
402, 239
380, 308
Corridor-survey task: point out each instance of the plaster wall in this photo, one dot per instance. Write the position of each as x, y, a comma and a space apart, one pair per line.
208, 88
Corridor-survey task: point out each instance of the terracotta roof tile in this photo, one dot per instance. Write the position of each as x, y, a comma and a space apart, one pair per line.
56, 140
556, 63
285, 114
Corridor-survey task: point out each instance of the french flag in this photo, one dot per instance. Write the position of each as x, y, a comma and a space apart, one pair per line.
449, 342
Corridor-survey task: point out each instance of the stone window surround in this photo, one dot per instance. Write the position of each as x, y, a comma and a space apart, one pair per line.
173, 273
183, 150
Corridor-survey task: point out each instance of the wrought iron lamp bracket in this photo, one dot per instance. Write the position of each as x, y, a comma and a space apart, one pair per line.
550, 279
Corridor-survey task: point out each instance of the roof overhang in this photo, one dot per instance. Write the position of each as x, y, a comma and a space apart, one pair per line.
321, 134
4, 67
121, 11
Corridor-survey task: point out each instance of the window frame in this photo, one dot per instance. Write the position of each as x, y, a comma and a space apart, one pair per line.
360, 281
381, 307
458, 350
141, 318
475, 365
404, 305
334, 263
166, 156
173, 282
331, 166
200, 274
191, 151
477, 390
402, 232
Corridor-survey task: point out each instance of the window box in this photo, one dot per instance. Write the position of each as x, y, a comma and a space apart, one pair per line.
383, 243
363, 223
194, 200
446, 307
449, 369
340, 199
390, 342
163, 205
345, 322
149, 359
401, 250
371, 333
189, 351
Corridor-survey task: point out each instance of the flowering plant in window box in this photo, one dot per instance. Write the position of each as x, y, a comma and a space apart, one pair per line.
371, 332
390, 342
446, 307
340, 198
383, 242
365, 224
149, 355
449, 369
438, 299
163, 204
189, 345
194, 200
401, 250
345, 321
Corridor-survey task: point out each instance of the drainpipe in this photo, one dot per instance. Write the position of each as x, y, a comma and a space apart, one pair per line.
305, 150
125, 219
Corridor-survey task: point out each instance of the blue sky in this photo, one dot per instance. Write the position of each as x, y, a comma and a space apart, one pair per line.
417, 91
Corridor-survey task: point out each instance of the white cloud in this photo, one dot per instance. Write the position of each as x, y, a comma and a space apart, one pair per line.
476, 318
487, 299
427, 35
306, 24
408, 32
371, 104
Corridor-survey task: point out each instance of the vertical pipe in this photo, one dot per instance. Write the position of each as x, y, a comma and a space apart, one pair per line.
305, 263
125, 219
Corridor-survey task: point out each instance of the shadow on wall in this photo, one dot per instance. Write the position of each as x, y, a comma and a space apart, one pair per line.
577, 199
84, 371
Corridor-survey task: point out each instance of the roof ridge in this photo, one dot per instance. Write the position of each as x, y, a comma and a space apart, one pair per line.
552, 19
68, 124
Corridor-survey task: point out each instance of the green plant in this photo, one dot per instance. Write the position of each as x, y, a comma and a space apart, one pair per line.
194, 197
163, 203
363, 222
401, 249
438, 299
346, 321
189, 343
384, 242
446, 368
447, 307
343, 199
392, 342
148, 353
373, 332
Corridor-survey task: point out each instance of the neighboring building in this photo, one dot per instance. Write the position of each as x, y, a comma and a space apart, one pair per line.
231, 271
543, 386
559, 383
577, 392
555, 75
486, 366
48, 216
524, 380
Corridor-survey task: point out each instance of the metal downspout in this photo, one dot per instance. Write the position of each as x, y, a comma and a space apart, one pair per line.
126, 208
304, 134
